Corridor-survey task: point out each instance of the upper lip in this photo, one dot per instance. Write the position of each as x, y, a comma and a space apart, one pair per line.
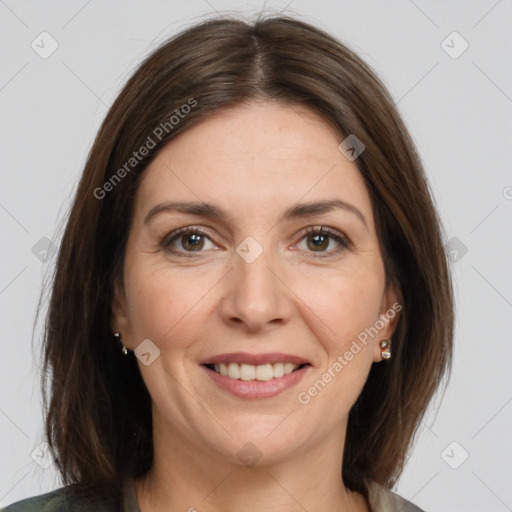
255, 359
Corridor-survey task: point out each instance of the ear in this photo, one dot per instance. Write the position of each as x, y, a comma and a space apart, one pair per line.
119, 318
390, 308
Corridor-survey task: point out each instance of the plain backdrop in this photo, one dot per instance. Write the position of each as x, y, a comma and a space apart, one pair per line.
448, 67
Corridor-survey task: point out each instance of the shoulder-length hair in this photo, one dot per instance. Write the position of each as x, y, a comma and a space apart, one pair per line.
98, 415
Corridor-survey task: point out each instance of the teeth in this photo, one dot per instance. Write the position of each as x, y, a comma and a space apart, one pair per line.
250, 372
233, 371
264, 372
247, 371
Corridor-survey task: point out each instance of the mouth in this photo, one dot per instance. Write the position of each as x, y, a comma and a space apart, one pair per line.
261, 372
256, 376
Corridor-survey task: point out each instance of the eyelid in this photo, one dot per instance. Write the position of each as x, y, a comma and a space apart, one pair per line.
313, 230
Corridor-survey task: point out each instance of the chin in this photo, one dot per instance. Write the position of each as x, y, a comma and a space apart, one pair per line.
258, 441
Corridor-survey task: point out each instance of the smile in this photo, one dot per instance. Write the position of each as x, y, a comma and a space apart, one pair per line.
261, 379
261, 372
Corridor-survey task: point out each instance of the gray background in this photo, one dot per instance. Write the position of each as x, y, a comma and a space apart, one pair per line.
457, 109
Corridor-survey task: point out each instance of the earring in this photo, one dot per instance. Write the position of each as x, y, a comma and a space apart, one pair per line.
117, 336
386, 349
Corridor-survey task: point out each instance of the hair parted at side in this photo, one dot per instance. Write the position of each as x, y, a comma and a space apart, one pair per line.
98, 410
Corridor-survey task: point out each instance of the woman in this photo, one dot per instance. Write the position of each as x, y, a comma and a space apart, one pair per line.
252, 307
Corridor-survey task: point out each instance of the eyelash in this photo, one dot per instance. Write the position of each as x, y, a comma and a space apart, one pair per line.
310, 231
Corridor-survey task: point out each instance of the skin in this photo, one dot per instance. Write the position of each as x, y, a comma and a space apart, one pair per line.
254, 161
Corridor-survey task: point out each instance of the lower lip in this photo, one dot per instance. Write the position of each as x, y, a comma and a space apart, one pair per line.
257, 388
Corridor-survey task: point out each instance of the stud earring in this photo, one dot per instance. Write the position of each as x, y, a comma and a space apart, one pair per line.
386, 349
117, 336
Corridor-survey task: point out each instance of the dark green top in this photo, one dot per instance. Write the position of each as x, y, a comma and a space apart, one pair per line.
60, 500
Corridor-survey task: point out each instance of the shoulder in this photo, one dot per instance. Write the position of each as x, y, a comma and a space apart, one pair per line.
51, 501
384, 500
58, 500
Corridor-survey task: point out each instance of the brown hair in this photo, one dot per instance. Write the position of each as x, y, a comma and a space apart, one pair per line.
98, 419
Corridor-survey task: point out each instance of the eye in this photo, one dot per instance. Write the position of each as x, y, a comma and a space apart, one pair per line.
318, 239
193, 240
190, 239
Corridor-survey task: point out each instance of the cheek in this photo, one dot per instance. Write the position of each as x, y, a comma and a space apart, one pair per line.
165, 303
341, 305
341, 315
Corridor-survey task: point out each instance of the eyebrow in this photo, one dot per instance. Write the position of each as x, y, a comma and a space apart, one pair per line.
214, 212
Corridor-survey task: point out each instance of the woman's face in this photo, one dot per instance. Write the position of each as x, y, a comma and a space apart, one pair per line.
250, 286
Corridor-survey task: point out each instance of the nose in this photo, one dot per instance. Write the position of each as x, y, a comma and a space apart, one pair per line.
256, 298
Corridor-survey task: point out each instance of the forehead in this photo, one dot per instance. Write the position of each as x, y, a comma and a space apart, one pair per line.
255, 156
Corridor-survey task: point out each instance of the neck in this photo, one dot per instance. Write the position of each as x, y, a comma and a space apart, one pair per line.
184, 477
